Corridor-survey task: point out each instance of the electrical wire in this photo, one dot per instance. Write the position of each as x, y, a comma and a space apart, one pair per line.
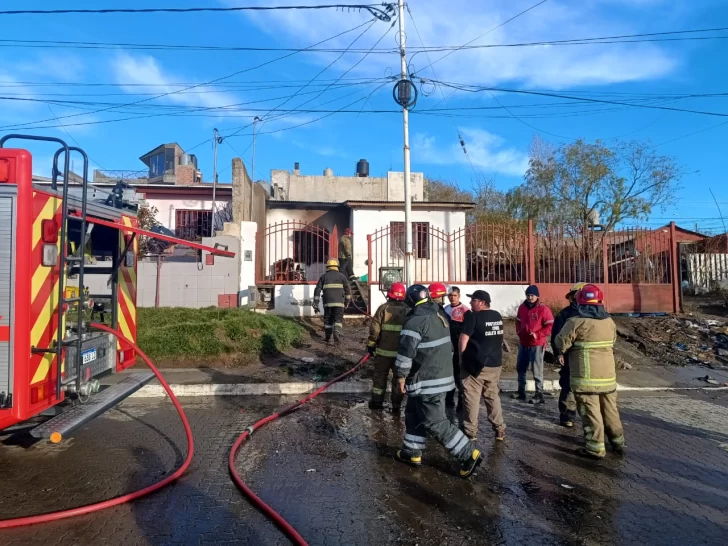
427, 55
475, 89
374, 9
111, 46
484, 34
282, 524
312, 79
625, 38
128, 497
205, 83
73, 139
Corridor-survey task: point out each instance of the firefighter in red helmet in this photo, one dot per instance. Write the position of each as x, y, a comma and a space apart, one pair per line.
588, 341
383, 343
438, 291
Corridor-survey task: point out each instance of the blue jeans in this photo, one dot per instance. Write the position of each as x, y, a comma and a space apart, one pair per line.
530, 357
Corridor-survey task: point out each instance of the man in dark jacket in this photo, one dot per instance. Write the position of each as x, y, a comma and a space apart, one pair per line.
336, 293
424, 371
567, 403
533, 326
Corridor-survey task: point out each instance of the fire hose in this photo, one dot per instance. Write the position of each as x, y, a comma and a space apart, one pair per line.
128, 497
282, 524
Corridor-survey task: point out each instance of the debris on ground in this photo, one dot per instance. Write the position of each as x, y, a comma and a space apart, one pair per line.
567, 486
678, 340
624, 365
708, 379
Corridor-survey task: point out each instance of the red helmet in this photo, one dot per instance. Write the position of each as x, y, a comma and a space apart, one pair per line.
397, 291
437, 290
590, 294
347, 231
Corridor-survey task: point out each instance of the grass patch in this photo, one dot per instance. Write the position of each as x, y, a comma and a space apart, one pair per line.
172, 332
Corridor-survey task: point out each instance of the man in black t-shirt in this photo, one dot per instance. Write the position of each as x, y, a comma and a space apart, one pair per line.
481, 357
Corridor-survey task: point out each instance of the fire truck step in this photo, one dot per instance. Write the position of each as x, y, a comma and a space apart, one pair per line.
59, 427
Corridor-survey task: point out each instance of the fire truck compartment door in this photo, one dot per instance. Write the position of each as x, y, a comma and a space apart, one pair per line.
7, 283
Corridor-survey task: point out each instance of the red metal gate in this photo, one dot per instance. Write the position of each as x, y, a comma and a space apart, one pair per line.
294, 252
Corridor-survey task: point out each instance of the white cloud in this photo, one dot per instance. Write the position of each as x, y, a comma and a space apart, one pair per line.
456, 22
146, 70
486, 151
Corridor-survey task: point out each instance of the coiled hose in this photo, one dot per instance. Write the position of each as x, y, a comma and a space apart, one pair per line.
282, 524
128, 497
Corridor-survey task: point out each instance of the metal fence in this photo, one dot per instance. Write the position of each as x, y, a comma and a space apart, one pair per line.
514, 253
704, 266
295, 252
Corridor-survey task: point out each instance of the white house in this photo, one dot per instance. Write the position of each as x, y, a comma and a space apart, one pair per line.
306, 216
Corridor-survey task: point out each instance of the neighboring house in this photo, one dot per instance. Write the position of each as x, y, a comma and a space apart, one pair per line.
173, 185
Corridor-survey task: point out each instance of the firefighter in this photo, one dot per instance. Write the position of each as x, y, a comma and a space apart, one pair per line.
336, 294
588, 340
424, 372
383, 343
437, 293
345, 254
567, 403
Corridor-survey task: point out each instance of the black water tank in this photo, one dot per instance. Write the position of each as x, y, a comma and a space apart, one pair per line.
362, 168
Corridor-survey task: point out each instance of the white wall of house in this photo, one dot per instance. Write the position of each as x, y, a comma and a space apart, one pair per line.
366, 221
293, 300
167, 207
505, 297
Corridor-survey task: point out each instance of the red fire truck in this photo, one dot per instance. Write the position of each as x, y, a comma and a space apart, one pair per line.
51, 240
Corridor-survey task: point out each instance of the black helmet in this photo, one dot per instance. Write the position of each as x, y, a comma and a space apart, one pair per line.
416, 293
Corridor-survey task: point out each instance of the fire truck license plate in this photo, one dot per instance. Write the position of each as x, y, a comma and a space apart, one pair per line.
88, 355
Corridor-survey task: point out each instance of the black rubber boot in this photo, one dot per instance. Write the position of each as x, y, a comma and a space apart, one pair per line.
520, 396
376, 406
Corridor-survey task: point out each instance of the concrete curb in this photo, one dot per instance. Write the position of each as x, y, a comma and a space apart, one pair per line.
344, 387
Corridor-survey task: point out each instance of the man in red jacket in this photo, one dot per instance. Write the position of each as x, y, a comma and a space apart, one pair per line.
533, 326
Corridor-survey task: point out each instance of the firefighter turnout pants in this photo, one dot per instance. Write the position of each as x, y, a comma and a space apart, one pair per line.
425, 416
599, 415
333, 321
567, 402
382, 367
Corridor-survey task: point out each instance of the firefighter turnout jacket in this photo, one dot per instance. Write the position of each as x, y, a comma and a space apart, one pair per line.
345, 250
335, 287
589, 339
425, 351
386, 327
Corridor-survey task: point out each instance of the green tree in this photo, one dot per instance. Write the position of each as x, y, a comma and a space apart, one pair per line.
577, 182
444, 191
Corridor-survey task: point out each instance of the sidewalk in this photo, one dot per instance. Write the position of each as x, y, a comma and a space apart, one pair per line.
233, 382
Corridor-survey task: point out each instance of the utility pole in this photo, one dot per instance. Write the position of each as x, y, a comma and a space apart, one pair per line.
409, 261
256, 119
214, 178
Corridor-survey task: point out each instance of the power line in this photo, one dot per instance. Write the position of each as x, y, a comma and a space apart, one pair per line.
624, 38
378, 11
203, 84
571, 97
427, 55
316, 76
73, 139
484, 34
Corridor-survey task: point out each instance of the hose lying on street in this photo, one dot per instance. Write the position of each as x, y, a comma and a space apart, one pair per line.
128, 497
282, 524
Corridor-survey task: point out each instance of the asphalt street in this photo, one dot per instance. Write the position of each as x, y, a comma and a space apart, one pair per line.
328, 469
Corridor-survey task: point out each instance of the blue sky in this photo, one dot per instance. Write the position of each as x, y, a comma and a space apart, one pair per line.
497, 142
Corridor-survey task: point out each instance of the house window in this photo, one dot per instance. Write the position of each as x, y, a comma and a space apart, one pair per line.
310, 247
420, 239
193, 225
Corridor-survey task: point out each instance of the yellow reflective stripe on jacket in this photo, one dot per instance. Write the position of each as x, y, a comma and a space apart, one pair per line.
593, 382
333, 285
388, 354
594, 344
333, 305
392, 328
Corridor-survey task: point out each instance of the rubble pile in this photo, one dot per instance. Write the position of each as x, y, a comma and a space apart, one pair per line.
679, 340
